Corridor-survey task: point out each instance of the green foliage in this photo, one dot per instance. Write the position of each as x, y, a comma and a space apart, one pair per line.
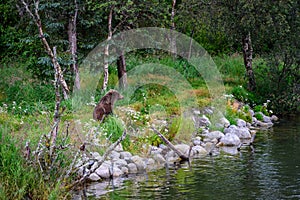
114, 129
243, 95
258, 116
19, 181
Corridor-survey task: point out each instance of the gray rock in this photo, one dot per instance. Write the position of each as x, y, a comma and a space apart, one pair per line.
159, 159
150, 164
241, 123
274, 118
94, 166
251, 112
199, 150
214, 134
96, 155
114, 155
230, 139
103, 171
119, 148
196, 142
263, 124
125, 154
266, 119
241, 132
229, 150
139, 162
183, 148
208, 111
132, 168
125, 170
120, 163
224, 122
94, 177
116, 172
203, 121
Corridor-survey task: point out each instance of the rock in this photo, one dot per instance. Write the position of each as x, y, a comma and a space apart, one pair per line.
150, 164
132, 168
125, 154
183, 148
120, 163
139, 162
208, 111
116, 172
94, 166
263, 124
196, 142
199, 150
94, 177
274, 118
96, 155
241, 132
229, 150
214, 134
125, 170
155, 150
159, 159
267, 119
254, 120
224, 122
119, 148
203, 121
209, 146
241, 123
251, 112
103, 171
230, 139
114, 155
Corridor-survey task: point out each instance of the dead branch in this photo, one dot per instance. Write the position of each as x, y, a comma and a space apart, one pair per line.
37, 20
100, 162
170, 145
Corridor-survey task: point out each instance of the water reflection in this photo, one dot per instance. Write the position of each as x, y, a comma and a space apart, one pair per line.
269, 171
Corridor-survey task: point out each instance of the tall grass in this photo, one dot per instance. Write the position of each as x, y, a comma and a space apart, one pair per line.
18, 179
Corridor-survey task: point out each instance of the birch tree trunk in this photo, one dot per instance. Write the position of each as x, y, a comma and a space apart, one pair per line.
247, 53
72, 34
36, 18
172, 36
106, 51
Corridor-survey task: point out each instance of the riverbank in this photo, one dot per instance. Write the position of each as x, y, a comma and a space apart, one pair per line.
229, 139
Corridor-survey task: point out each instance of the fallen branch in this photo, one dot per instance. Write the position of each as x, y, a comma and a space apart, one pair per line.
170, 145
100, 162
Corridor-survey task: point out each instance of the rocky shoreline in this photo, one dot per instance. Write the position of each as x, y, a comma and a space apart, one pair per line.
207, 142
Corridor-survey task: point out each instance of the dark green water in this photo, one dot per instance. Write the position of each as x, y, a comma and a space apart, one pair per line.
271, 171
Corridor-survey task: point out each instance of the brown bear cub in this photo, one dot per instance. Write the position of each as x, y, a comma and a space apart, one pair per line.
106, 104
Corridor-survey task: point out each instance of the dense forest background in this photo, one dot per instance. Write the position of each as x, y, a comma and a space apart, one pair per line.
221, 27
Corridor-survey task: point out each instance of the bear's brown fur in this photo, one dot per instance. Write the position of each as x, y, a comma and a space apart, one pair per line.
106, 104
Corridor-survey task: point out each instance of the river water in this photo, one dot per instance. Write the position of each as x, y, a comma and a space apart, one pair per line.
269, 170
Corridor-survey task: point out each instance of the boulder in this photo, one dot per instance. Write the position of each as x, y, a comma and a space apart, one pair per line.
267, 119
241, 132
103, 171
114, 155
96, 155
230, 139
183, 148
132, 168
125, 170
94, 177
274, 118
125, 154
139, 162
119, 148
120, 163
159, 159
203, 121
199, 150
223, 123
214, 134
241, 123
115, 172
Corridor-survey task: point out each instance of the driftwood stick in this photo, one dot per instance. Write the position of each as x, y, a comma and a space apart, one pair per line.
100, 162
170, 145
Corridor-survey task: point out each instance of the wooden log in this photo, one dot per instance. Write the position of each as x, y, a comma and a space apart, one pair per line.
170, 145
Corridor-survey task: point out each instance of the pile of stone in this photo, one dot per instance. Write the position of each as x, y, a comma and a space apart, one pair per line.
122, 162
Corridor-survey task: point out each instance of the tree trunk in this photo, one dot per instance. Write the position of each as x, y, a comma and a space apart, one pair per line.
247, 53
37, 20
172, 36
121, 63
72, 34
106, 51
